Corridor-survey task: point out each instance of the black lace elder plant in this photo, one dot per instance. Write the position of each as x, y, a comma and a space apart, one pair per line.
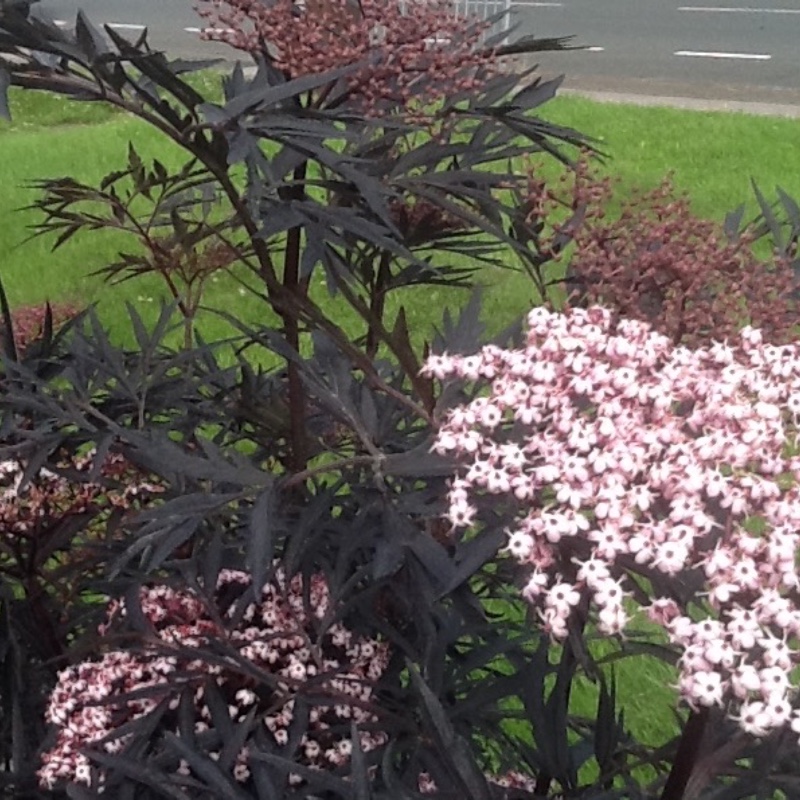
320, 468
360, 172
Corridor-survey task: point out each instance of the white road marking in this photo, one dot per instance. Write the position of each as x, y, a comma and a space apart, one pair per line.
125, 26
595, 49
209, 30
742, 56
120, 26
742, 10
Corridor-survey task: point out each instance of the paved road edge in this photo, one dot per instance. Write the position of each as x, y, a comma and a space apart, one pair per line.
688, 103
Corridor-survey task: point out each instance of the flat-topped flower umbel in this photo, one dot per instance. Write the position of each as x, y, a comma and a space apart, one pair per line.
278, 634
622, 454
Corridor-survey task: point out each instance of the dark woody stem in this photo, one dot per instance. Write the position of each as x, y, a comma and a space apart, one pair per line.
687, 755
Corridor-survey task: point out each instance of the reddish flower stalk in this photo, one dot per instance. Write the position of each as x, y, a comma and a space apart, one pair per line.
411, 54
658, 262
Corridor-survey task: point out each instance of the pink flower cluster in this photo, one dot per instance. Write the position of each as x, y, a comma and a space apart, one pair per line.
50, 496
279, 634
623, 454
509, 780
50, 503
29, 324
419, 50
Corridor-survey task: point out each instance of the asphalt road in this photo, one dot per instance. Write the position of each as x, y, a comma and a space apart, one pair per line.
720, 49
715, 49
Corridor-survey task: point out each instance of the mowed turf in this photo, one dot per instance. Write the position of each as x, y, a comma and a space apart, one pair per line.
712, 156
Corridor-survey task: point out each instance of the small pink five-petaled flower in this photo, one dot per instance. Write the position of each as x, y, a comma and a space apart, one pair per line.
633, 454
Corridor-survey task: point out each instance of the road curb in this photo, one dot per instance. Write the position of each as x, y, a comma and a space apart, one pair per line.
760, 109
688, 103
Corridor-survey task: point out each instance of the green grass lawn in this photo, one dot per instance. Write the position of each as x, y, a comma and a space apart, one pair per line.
711, 155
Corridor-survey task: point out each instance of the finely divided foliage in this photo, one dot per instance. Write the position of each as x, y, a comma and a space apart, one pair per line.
231, 569
313, 471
